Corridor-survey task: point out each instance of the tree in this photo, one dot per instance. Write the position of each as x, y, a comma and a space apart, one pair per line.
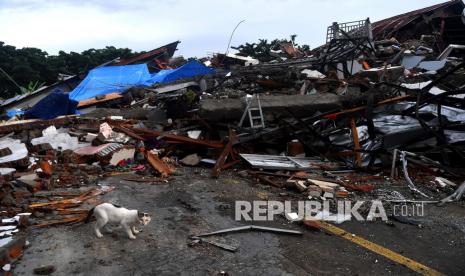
29, 67
263, 48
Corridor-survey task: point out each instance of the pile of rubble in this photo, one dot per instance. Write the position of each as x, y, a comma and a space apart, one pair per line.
351, 117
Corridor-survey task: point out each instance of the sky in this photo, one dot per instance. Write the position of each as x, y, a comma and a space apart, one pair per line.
202, 26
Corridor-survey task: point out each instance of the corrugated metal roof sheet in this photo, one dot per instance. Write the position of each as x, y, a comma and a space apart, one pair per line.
387, 27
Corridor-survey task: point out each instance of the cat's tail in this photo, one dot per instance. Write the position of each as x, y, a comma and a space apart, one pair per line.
89, 215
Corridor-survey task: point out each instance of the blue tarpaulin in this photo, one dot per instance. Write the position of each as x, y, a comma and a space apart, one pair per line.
54, 105
110, 79
188, 70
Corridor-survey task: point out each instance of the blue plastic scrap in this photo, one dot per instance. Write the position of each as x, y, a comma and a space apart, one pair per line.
13, 112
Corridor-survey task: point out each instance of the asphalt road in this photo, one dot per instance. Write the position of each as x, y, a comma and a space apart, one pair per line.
194, 203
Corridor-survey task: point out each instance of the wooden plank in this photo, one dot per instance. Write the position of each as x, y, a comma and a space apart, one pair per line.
108, 97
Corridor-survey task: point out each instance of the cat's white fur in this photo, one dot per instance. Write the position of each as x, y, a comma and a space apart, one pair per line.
107, 213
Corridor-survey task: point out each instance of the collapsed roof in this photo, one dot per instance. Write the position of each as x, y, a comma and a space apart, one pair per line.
443, 20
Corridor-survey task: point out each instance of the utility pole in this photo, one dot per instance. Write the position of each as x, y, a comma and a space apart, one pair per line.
230, 38
12, 80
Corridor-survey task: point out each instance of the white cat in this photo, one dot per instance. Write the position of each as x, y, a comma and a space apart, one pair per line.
113, 214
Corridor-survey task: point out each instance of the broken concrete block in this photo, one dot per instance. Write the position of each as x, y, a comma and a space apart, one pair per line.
191, 160
19, 155
57, 139
124, 153
301, 105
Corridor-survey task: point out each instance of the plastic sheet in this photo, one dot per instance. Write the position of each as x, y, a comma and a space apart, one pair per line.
188, 70
111, 79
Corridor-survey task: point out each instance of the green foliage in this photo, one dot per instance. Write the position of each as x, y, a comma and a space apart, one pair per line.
33, 86
261, 50
31, 67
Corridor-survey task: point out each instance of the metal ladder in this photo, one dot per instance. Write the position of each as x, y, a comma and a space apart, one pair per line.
255, 113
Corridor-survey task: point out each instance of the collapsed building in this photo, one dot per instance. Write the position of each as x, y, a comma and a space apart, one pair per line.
381, 101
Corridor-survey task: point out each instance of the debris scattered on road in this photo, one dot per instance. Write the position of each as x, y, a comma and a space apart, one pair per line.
251, 228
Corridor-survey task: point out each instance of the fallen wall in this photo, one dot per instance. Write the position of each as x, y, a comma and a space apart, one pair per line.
302, 105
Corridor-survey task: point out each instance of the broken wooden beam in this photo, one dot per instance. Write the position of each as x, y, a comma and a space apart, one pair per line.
172, 138
160, 166
227, 151
73, 219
